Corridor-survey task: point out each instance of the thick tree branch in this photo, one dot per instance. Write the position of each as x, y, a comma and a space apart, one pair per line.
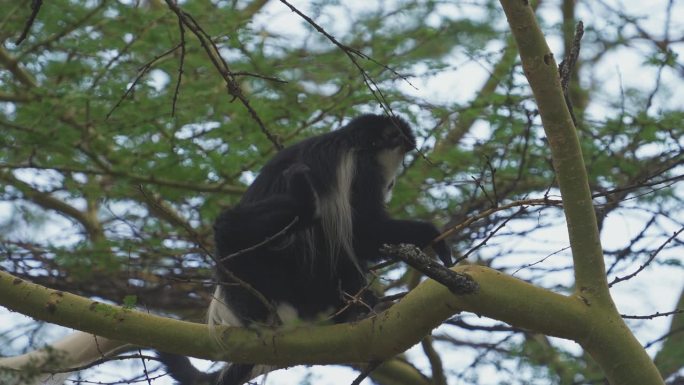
49, 202
542, 73
105, 170
19, 72
14, 97
670, 358
609, 341
377, 338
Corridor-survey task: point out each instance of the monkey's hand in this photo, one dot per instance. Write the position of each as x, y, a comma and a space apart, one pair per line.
429, 234
443, 252
395, 231
440, 247
302, 191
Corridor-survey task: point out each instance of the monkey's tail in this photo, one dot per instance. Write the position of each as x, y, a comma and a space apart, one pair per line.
73, 351
238, 374
184, 372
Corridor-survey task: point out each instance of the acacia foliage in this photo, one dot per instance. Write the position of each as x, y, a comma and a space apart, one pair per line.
121, 141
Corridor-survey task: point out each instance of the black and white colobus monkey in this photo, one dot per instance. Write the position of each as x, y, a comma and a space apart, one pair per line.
324, 198
336, 186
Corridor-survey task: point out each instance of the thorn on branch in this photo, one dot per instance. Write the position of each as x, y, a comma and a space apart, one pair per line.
457, 283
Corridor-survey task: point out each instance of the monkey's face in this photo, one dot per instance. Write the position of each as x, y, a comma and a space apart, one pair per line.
390, 143
395, 137
384, 139
390, 160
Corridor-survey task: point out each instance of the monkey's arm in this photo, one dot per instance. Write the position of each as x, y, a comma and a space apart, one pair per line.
250, 223
394, 231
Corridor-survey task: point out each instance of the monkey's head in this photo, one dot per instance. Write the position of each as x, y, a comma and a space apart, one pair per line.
379, 133
387, 140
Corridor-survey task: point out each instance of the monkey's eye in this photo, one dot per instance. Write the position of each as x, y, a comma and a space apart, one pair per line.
390, 185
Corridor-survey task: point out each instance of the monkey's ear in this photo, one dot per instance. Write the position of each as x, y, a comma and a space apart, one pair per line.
302, 191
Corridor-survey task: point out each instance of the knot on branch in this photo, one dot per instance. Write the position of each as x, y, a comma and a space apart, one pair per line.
457, 283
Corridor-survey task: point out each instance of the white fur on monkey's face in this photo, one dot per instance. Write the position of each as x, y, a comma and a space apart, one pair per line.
390, 160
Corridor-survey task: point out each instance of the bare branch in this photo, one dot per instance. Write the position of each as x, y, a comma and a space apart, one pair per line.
181, 62
652, 316
650, 259
35, 8
221, 65
436, 365
141, 72
457, 283
47, 201
566, 67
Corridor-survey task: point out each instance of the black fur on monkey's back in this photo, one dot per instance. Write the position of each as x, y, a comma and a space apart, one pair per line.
335, 185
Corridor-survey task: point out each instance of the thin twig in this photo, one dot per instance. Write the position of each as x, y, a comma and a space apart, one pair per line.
213, 52
35, 8
650, 259
457, 283
651, 316
491, 234
217, 262
566, 67
539, 261
180, 67
266, 241
525, 202
347, 49
355, 299
141, 72
101, 361
492, 171
366, 371
353, 54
